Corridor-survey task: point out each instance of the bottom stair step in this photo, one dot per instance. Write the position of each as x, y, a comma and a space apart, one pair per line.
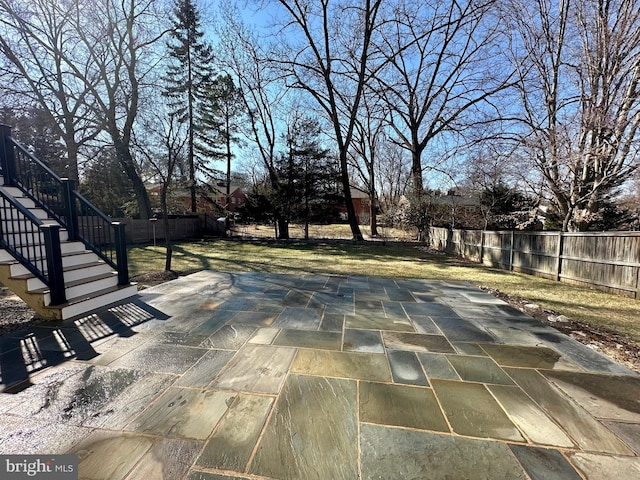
88, 303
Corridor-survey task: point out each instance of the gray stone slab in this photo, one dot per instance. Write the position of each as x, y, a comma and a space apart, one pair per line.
161, 358
425, 325
184, 413
360, 366
205, 370
309, 339
294, 447
544, 464
230, 447
479, 369
429, 309
394, 309
332, 322
417, 342
405, 368
22, 435
436, 365
397, 453
365, 341
629, 433
472, 411
299, 318
588, 433
167, 458
605, 467
256, 368
229, 337
462, 330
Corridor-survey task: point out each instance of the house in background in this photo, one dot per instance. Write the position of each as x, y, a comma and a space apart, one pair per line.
209, 198
361, 205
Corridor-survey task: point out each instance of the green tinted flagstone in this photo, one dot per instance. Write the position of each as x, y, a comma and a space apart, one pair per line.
168, 458
109, 455
264, 336
405, 368
390, 453
332, 322
530, 357
582, 427
364, 341
400, 405
418, 342
183, 412
437, 366
256, 368
604, 396
528, 417
296, 298
361, 366
229, 337
378, 322
544, 464
479, 369
309, 339
312, 433
205, 370
604, 467
232, 443
471, 410
514, 336
461, 330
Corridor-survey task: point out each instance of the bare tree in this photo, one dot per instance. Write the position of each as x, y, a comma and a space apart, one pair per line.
241, 51
369, 136
34, 43
95, 58
441, 74
329, 56
163, 148
579, 74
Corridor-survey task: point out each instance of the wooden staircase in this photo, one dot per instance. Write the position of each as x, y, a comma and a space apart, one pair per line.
84, 278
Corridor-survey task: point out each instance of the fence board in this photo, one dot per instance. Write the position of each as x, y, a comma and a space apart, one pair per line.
608, 261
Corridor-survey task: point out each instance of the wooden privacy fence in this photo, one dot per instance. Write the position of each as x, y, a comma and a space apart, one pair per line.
142, 231
609, 261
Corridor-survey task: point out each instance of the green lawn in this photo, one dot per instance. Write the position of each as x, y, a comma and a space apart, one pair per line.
391, 260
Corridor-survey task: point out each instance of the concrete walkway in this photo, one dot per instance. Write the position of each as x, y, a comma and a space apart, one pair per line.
252, 375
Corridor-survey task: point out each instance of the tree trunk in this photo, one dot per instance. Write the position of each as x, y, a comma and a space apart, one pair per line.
351, 211
283, 228
167, 236
128, 165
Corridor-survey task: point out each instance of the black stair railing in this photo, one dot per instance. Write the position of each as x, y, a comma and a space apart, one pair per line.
34, 244
60, 199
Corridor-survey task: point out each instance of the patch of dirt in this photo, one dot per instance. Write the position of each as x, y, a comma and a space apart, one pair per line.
612, 344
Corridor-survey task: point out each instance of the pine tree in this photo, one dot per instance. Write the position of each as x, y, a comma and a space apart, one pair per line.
187, 76
220, 115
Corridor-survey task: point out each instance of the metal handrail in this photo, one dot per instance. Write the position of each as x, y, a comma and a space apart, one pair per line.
60, 199
33, 243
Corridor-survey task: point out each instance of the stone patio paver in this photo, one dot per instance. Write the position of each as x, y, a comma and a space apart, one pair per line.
222, 375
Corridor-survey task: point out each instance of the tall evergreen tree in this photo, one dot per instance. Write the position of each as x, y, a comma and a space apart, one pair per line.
187, 76
221, 112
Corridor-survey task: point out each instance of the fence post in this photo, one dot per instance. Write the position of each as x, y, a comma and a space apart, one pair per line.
559, 255
121, 253
511, 252
55, 272
7, 155
482, 246
71, 214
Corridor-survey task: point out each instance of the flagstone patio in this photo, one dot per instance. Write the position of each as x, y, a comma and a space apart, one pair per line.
253, 375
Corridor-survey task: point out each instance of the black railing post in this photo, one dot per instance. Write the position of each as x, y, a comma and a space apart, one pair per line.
55, 273
121, 253
70, 211
7, 155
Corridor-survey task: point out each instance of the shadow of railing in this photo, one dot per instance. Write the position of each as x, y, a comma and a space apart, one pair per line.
27, 351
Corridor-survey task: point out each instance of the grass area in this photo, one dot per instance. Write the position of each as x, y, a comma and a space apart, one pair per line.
391, 260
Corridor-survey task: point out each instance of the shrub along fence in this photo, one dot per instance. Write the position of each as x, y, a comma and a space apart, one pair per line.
609, 261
